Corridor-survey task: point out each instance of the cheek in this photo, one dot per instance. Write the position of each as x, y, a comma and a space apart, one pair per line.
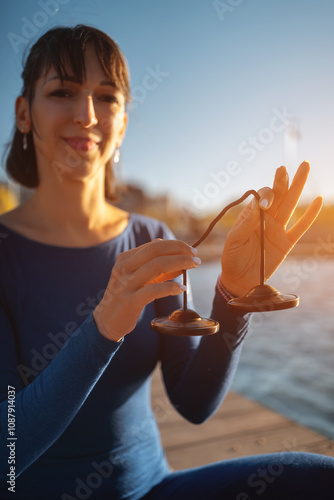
106, 127
47, 121
110, 125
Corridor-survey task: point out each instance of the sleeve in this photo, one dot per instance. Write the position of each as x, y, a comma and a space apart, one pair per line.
44, 408
198, 371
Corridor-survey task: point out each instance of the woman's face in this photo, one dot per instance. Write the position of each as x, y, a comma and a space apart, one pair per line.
76, 127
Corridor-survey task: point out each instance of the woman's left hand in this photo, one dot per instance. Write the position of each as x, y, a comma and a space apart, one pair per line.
242, 252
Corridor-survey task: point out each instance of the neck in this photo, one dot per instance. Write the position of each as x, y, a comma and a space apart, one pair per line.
75, 207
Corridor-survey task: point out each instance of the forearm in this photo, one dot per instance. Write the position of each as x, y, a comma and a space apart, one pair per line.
45, 408
198, 387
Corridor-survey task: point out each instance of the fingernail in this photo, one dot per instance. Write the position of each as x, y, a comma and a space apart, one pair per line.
264, 203
193, 250
183, 287
197, 260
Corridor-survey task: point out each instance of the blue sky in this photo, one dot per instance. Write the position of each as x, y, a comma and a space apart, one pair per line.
217, 87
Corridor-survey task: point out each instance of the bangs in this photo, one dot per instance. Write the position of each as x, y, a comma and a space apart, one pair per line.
64, 50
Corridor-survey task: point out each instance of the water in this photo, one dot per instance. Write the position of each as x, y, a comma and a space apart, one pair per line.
287, 362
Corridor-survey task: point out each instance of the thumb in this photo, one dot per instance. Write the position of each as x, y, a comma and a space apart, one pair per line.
249, 221
250, 217
266, 197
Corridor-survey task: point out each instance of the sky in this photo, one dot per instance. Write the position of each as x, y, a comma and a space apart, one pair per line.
224, 92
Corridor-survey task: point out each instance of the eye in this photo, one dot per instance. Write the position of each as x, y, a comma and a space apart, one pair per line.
61, 93
109, 98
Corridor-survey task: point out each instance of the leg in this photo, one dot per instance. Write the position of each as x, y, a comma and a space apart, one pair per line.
278, 476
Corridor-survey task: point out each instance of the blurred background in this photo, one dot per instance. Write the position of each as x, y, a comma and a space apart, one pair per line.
224, 92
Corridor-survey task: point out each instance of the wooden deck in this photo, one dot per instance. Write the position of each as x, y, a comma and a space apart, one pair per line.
240, 427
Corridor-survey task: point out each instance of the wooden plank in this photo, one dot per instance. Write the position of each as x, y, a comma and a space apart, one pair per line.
226, 426
232, 405
240, 427
325, 447
291, 438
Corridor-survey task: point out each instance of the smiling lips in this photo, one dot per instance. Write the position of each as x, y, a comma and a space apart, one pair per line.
81, 143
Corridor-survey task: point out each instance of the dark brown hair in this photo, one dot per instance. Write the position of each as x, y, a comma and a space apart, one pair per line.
64, 49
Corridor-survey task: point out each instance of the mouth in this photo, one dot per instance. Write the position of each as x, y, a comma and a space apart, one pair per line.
82, 143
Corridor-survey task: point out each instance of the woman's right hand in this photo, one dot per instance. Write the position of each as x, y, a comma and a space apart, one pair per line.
139, 277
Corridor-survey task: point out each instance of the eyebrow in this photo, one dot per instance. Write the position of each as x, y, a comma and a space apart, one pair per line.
73, 79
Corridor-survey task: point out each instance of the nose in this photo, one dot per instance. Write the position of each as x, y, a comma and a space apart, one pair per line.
85, 113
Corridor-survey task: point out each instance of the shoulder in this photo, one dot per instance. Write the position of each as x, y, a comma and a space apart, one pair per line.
149, 228
6, 227
8, 218
16, 220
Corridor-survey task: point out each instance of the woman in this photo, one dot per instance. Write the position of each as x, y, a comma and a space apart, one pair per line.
80, 282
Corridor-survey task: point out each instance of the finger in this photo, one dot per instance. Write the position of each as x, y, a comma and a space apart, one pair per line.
133, 251
166, 264
129, 253
306, 220
280, 188
247, 222
249, 219
245, 213
149, 251
167, 276
151, 292
266, 197
291, 199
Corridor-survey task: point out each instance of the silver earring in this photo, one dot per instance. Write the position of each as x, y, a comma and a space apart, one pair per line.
25, 142
117, 155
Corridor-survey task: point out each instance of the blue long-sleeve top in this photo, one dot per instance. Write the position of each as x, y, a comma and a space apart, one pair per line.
83, 418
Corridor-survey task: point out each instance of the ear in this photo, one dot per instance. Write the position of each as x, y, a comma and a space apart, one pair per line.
22, 113
122, 130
